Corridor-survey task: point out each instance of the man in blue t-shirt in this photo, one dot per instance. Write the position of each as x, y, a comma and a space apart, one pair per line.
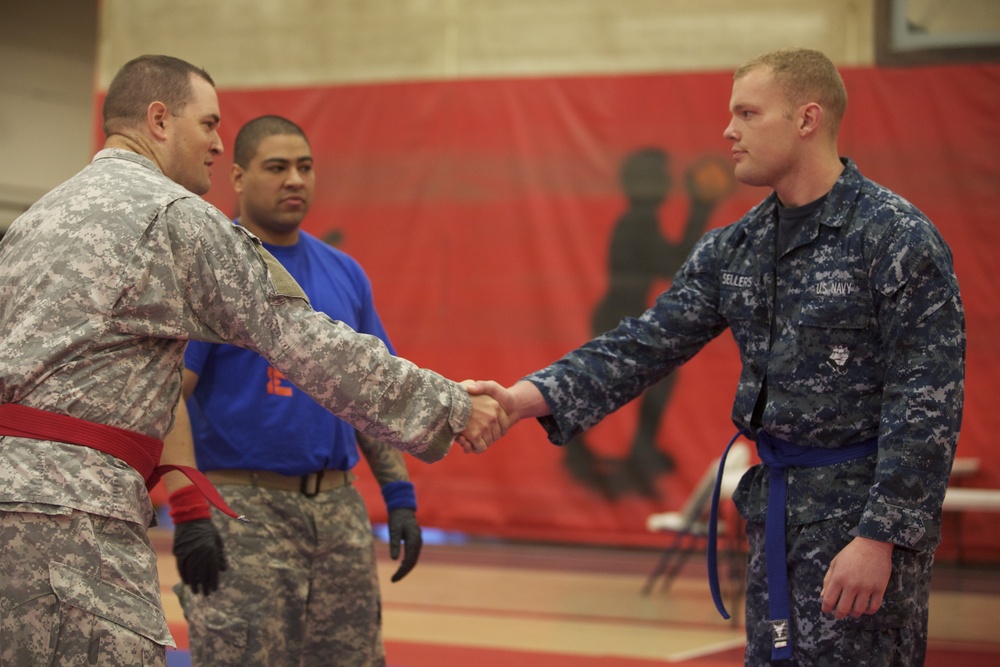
301, 586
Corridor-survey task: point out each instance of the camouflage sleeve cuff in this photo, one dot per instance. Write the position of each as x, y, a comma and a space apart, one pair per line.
552, 429
558, 430
461, 407
901, 526
460, 410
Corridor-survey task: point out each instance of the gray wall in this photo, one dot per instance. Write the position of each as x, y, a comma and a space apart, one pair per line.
48, 49
296, 42
54, 52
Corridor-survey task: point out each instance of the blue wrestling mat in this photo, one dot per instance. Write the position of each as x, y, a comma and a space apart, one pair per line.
178, 659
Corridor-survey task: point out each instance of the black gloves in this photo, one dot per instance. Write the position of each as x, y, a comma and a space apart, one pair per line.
403, 527
200, 556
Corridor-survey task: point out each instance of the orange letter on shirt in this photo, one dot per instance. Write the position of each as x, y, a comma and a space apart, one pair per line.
274, 385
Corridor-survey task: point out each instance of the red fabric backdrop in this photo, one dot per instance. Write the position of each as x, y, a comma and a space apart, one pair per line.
482, 211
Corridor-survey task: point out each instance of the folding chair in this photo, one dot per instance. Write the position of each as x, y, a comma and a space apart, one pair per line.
690, 524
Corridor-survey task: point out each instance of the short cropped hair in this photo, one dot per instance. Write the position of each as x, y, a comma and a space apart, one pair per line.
250, 135
805, 76
144, 80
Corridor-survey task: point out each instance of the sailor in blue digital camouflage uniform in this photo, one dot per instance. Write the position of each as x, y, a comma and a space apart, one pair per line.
843, 301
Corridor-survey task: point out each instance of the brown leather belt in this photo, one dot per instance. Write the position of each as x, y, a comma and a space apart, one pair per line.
308, 485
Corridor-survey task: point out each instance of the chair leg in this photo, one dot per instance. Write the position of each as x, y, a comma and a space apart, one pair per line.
661, 567
682, 556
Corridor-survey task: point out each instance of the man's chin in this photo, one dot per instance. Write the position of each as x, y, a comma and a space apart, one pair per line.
197, 186
747, 176
290, 221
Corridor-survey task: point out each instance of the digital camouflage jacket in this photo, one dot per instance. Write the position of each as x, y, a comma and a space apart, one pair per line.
857, 330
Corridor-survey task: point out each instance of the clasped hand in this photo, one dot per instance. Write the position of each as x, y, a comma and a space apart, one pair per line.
496, 409
490, 419
487, 423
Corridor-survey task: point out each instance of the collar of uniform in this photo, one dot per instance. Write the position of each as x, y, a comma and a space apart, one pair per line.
122, 154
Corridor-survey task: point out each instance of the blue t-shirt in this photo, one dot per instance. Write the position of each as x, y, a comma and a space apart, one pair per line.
247, 415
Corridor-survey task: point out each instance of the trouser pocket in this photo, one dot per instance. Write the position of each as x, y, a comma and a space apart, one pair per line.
83, 621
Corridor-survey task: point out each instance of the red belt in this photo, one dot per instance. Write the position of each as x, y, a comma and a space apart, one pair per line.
142, 452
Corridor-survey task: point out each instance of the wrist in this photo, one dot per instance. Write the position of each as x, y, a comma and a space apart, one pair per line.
399, 495
528, 400
881, 546
188, 504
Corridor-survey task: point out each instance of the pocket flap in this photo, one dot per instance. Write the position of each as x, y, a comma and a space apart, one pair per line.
836, 313
224, 624
110, 602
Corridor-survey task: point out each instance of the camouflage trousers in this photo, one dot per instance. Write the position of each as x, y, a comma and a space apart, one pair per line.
78, 589
896, 635
301, 588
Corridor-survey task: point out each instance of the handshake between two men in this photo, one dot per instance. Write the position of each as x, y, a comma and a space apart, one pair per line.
495, 410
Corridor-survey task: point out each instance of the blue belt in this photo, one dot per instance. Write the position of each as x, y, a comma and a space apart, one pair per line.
776, 454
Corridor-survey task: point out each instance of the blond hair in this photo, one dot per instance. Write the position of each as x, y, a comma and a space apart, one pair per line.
804, 76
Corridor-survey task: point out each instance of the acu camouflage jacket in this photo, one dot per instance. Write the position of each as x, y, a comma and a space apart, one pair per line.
104, 280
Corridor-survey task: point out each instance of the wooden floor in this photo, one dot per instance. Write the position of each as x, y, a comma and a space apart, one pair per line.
495, 603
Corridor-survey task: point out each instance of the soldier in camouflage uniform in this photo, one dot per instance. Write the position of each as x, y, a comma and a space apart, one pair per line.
102, 282
843, 301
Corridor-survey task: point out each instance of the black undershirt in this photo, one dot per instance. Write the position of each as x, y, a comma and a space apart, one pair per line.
790, 221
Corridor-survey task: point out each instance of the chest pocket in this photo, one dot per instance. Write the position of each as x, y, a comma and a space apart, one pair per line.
837, 333
735, 304
741, 307
836, 313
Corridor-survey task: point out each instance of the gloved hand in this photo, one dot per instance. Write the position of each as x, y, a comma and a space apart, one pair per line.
200, 554
197, 543
403, 527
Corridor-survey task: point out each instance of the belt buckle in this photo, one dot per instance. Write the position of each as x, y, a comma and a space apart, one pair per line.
304, 484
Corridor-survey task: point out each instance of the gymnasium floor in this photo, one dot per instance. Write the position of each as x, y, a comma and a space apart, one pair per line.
488, 603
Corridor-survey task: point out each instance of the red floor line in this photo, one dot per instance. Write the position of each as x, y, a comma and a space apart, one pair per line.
416, 654
412, 654
961, 646
179, 631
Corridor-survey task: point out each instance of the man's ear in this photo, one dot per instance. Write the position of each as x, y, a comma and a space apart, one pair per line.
236, 178
156, 119
810, 118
